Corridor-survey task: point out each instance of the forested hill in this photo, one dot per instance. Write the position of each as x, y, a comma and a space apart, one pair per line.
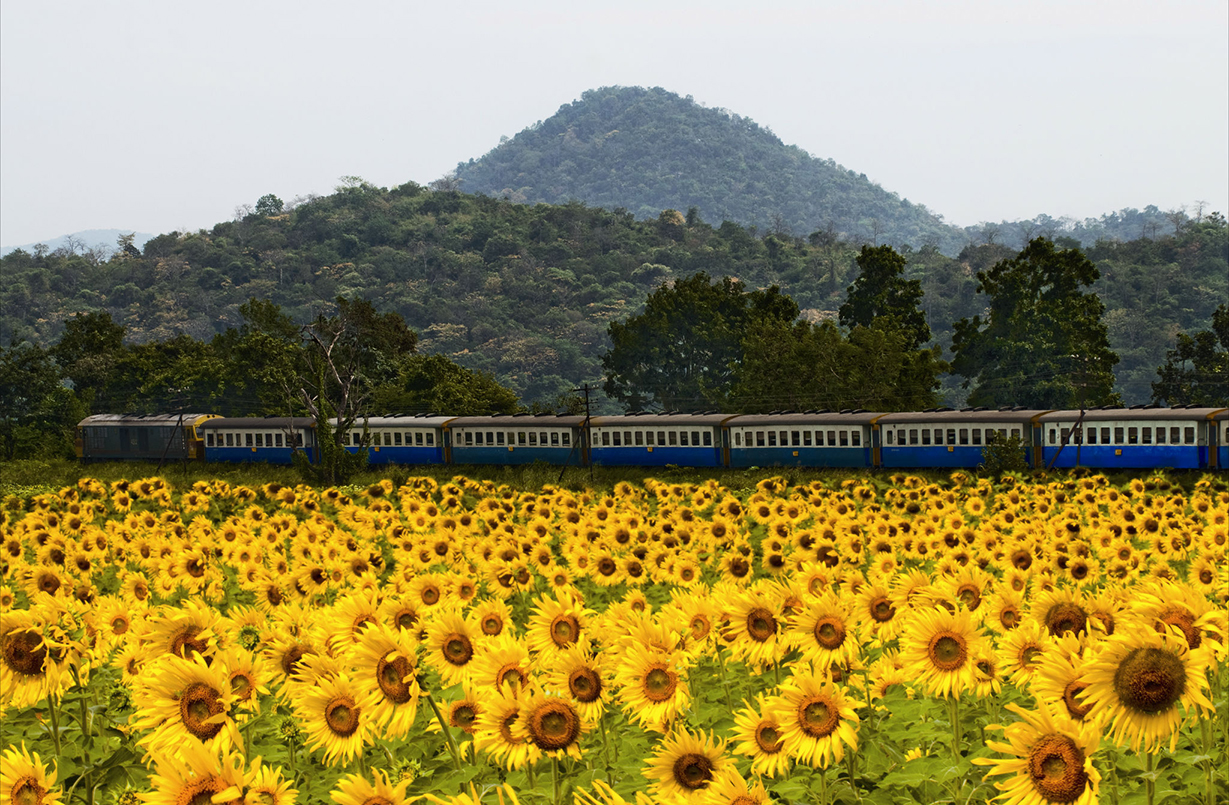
526, 292
646, 150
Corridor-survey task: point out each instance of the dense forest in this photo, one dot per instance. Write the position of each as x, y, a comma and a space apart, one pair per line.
526, 293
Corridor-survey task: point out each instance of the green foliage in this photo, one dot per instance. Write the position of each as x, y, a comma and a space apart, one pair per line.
1043, 344
269, 205
647, 150
1003, 454
882, 294
1196, 372
680, 352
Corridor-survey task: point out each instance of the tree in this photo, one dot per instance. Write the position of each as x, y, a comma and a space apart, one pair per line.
679, 354
881, 292
269, 204
434, 384
28, 382
1195, 371
87, 353
1043, 343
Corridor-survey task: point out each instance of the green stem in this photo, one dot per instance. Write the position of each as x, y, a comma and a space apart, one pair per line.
452, 744
554, 776
1149, 782
84, 713
1114, 776
725, 685
823, 785
953, 706
606, 749
1205, 728
55, 726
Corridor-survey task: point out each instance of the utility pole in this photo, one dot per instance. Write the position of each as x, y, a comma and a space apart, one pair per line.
585, 433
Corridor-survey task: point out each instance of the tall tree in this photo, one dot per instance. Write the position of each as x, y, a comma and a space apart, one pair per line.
1043, 343
882, 294
87, 353
679, 354
1196, 371
29, 381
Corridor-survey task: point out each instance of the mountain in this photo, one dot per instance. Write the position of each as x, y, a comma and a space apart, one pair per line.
84, 240
648, 150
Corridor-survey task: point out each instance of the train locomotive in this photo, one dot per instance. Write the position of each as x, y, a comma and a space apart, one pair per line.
1135, 438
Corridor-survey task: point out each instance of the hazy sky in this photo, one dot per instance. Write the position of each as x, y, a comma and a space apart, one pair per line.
161, 116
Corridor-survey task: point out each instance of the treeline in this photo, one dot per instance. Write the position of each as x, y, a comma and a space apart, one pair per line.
526, 293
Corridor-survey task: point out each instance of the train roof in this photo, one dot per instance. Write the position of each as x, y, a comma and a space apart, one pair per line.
1138, 413
403, 421
259, 422
140, 420
942, 415
517, 421
835, 418
656, 420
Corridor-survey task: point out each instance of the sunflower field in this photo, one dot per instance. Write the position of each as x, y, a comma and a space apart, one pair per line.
852, 640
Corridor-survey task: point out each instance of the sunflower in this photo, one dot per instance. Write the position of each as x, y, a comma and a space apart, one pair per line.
825, 633
450, 647
500, 662
582, 675
557, 623
758, 733
493, 732
756, 629
652, 686
24, 778
1050, 760
1022, 650
386, 663
552, 724
685, 764
817, 719
332, 713
194, 774
1058, 679
28, 670
355, 789
1137, 681
1061, 611
938, 648
183, 703
1175, 607
266, 785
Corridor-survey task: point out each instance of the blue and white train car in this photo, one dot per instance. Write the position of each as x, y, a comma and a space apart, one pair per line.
817, 439
516, 439
1220, 435
1132, 438
655, 440
948, 438
399, 439
269, 439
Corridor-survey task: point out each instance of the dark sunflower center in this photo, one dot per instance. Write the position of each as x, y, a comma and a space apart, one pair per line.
564, 629
1150, 680
241, 686
554, 726
430, 595
48, 583
585, 685
768, 739
1184, 620
948, 651
457, 649
1075, 707
509, 675
406, 619
1066, 617
606, 566
693, 771
492, 625
342, 714
464, 717
1205, 576
818, 717
830, 633
700, 627
970, 596
25, 653
198, 792
391, 678
186, 643
882, 610
1009, 617
761, 625
197, 704
739, 568
1056, 768
659, 684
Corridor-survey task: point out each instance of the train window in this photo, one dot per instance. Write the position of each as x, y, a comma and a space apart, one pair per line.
772, 438
951, 435
1066, 435
695, 438
925, 435
533, 439
1160, 436
627, 438
469, 438
795, 438
260, 440
520, 438
1188, 435
605, 438
1118, 436
891, 437
661, 438
499, 438
1175, 436
277, 440
542, 438
417, 439
832, 438
618, 439
844, 438
396, 438
1145, 436
806, 438
977, 436
566, 438
673, 438
1092, 435
856, 437
759, 438
938, 435
738, 438
554, 438
1105, 436
247, 440
230, 440
708, 438
683, 438
209, 440
964, 435
648, 438
639, 438
1132, 435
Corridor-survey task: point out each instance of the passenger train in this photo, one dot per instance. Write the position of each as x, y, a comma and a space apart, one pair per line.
1140, 437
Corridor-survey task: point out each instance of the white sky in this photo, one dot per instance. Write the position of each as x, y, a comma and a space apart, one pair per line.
160, 116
